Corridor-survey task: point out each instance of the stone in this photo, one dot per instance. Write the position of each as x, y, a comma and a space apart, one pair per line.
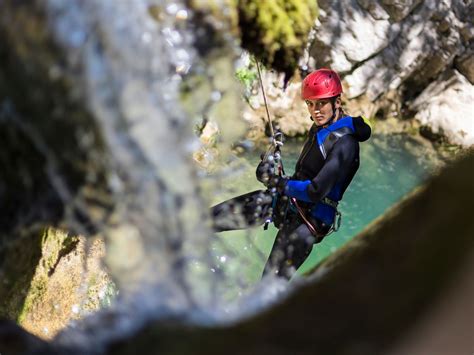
44, 291
399, 9
446, 106
287, 111
375, 9
465, 65
346, 35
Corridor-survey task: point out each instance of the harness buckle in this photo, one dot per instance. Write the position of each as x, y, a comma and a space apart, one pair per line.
337, 221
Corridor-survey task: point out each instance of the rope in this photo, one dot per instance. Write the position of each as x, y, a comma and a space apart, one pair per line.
265, 100
277, 143
311, 228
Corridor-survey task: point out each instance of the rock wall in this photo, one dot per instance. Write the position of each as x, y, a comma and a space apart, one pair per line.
287, 111
394, 57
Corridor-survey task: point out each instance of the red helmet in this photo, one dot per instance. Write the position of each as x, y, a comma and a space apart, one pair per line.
321, 84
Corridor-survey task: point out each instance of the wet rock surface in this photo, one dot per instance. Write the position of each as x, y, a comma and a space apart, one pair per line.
49, 172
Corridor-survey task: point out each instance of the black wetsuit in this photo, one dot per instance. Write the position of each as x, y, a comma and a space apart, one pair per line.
324, 170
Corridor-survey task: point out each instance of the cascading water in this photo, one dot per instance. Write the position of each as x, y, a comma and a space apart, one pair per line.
131, 60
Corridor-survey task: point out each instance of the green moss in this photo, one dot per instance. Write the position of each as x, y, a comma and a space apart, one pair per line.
36, 292
276, 31
54, 245
246, 76
17, 268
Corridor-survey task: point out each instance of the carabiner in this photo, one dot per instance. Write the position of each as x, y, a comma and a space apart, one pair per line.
337, 221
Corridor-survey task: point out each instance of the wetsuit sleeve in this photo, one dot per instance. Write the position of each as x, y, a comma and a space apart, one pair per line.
337, 167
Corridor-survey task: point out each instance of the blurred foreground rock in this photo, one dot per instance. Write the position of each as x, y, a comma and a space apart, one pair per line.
369, 295
390, 288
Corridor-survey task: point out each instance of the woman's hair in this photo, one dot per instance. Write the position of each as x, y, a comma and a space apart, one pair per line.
341, 109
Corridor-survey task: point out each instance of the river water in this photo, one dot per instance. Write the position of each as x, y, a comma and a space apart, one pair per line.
391, 166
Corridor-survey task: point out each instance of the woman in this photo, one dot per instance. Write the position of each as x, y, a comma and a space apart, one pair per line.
305, 205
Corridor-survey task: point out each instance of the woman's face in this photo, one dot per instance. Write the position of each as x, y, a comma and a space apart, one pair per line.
321, 110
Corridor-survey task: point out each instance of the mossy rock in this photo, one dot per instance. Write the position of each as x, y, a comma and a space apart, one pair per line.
276, 31
51, 278
17, 268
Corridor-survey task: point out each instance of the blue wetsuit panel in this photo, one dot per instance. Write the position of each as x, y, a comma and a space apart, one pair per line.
298, 190
323, 133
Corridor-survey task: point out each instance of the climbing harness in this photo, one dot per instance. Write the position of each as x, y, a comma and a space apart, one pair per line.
338, 216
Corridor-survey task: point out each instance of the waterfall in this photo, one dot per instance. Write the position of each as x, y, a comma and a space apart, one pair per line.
131, 61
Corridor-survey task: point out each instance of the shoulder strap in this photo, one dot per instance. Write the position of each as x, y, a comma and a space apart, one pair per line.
332, 138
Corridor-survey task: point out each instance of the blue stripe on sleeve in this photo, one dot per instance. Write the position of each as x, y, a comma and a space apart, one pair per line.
298, 190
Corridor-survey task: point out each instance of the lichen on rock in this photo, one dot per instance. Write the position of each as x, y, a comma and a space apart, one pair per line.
64, 282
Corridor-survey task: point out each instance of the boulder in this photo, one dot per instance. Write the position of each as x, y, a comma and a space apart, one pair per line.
68, 281
445, 106
397, 9
465, 64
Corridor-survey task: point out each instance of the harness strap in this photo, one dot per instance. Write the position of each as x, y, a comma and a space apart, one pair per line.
311, 228
337, 218
330, 202
332, 138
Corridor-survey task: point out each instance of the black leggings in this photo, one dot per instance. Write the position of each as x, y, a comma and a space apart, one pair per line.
294, 240
242, 212
292, 246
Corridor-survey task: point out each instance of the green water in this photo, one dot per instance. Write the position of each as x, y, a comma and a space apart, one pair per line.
391, 166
